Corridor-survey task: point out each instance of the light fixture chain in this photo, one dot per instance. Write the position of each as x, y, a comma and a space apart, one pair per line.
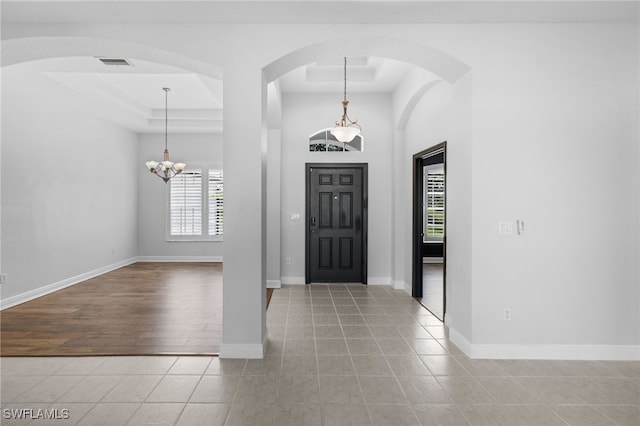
345, 78
345, 129
166, 117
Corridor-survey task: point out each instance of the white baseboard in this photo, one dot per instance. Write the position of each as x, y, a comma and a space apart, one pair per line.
50, 288
274, 284
460, 341
560, 352
292, 280
379, 280
448, 319
401, 285
301, 280
243, 350
179, 259
432, 260
546, 352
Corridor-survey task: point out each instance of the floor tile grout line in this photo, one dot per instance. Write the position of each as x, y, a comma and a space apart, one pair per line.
356, 372
358, 378
577, 372
315, 343
164, 375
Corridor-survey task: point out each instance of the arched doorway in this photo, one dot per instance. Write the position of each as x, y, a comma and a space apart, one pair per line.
103, 244
446, 69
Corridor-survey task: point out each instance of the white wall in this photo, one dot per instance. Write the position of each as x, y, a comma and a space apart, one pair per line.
555, 144
274, 170
553, 141
69, 205
459, 253
274, 220
552, 133
192, 149
305, 114
443, 114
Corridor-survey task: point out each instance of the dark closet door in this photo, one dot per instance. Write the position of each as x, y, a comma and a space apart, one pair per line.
336, 223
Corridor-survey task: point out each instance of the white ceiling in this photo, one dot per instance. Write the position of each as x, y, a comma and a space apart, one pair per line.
317, 11
132, 96
364, 74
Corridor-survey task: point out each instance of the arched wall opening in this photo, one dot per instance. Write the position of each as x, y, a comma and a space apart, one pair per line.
390, 162
445, 66
423, 56
20, 50
50, 126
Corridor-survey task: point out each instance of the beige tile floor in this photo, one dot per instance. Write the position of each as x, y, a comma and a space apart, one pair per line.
337, 355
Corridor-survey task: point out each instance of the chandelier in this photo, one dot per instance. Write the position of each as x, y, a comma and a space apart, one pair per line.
345, 130
165, 169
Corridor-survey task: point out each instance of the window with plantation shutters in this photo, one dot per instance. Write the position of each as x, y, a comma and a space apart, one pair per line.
216, 203
186, 203
434, 205
196, 205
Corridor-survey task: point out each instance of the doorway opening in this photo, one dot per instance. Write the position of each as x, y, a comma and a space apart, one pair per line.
336, 217
429, 229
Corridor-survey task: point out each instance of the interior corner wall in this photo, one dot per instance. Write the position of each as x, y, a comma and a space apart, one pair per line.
305, 114
193, 149
444, 114
69, 187
274, 170
459, 255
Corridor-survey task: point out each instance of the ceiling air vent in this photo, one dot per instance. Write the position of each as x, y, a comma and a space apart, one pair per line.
115, 61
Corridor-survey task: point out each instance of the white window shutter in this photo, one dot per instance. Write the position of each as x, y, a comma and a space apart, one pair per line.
216, 203
434, 220
185, 205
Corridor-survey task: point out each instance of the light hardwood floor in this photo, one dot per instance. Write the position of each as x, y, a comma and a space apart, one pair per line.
141, 309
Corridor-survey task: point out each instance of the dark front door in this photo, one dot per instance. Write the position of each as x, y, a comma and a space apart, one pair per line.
336, 223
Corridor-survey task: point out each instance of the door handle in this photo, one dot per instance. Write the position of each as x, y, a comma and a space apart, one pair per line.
313, 221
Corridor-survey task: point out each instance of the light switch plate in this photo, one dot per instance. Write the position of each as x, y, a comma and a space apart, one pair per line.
505, 228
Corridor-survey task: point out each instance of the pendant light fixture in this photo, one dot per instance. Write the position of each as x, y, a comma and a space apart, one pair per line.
345, 130
165, 169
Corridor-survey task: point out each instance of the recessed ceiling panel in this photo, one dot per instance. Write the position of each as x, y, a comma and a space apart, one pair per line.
132, 96
187, 90
364, 75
